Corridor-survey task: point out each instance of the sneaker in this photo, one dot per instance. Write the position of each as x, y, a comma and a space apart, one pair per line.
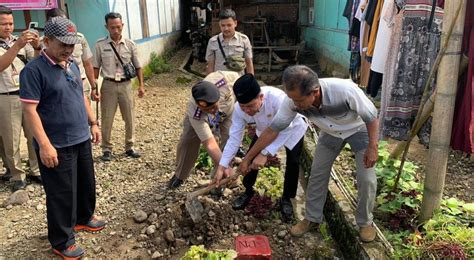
286, 209
174, 182
19, 185
367, 234
106, 156
242, 201
132, 153
70, 253
94, 225
302, 227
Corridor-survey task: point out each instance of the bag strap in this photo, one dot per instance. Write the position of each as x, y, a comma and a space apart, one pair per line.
116, 53
220, 46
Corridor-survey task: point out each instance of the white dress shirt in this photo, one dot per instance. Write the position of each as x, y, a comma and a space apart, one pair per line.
272, 100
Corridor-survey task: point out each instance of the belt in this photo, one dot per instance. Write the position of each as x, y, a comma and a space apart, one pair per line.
116, 81
16, 92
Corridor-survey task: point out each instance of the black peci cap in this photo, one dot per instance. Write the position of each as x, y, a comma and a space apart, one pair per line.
206, 91
246, 89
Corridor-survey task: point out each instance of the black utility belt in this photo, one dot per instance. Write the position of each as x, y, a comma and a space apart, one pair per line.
117, 81
16, 92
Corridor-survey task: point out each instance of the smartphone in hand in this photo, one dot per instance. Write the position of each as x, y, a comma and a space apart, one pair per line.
32, 26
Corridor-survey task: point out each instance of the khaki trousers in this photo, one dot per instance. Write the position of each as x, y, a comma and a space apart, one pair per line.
115, 94
11, 119
187, 150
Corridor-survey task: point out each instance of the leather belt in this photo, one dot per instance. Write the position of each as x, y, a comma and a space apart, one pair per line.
116, 81
16, 92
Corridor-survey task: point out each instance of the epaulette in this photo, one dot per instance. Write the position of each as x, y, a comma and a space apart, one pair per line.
197, 114
102, 39
221, 83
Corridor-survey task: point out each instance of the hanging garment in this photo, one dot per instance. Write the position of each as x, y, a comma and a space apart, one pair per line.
374, 28
375, 81
463, 124
418, 50
394, 20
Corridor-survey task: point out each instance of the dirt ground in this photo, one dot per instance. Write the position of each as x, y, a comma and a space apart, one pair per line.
130, 189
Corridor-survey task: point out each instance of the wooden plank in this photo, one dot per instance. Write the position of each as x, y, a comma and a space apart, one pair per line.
144, 18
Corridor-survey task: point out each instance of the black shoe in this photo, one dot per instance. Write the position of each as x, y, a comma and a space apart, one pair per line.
106, 156
7, 175
242, 201
133, 154
19, 185
35, 178
174, 182
240, 153
286, 209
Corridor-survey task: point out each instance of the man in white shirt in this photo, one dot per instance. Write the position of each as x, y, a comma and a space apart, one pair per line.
259, 106
344, 115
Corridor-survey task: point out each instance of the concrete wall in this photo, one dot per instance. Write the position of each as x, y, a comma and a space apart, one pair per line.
328, 36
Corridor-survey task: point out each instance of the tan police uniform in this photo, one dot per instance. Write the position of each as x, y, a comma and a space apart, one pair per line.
81, 53
197, 124
11, 114
116, 90
239, 44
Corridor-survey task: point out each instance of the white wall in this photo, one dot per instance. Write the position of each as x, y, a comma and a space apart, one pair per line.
164, 24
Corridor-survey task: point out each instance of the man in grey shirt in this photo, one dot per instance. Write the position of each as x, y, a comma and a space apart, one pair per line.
344, 115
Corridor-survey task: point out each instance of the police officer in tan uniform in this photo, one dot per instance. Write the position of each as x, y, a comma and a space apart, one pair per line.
14, 53
207, 121
116, 89
233, 44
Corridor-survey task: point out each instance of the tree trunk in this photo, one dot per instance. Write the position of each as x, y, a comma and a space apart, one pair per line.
443, 109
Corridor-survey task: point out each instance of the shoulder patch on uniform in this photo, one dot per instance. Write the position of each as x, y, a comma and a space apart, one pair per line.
197, 114
221, 83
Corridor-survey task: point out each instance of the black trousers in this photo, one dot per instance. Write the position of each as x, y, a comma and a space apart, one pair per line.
290, 184
70, 192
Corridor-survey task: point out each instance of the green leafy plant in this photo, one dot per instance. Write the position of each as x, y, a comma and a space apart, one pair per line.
200, 253
270, 182
204, 160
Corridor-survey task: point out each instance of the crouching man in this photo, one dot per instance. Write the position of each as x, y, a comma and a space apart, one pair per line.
344, 115
259, 105
207, 122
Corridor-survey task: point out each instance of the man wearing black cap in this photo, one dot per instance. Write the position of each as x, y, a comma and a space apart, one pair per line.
208, 116
259, 105
59, 115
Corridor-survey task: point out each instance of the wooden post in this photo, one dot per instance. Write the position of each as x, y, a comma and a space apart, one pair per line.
443, 109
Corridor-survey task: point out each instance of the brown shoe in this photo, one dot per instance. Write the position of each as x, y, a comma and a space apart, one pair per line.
367, 234
302, 227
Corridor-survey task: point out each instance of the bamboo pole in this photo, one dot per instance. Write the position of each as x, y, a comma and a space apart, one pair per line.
443, 110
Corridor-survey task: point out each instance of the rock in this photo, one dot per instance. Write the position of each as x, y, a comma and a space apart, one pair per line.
211, 213
30, 188
159, 197
17, 198
180, 243
153, 217
97, 249
227, 192
169, 235
203, 182
150, 229
39, 207
250, 226
237, 160
10, 236
140, 216
156, 255
142, 237
282, 234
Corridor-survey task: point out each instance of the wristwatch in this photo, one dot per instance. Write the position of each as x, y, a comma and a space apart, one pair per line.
264, 152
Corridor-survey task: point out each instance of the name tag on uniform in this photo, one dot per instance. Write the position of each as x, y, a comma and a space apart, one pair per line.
118, 77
